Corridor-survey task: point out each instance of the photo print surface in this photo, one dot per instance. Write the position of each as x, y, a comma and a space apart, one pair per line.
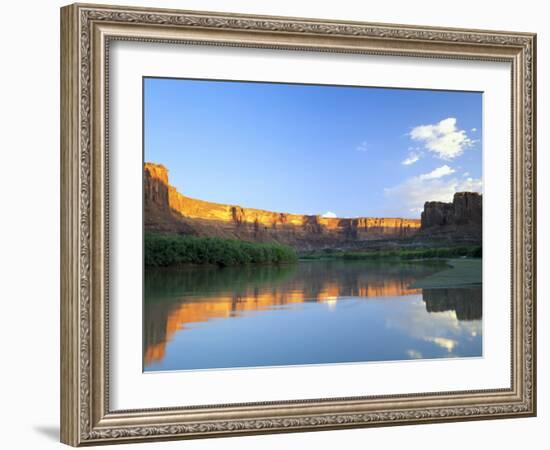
293, 224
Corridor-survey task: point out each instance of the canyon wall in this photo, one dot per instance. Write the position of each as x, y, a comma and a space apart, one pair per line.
167, 210
460, 220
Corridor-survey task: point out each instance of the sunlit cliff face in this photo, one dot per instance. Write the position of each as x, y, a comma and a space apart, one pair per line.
219, 305
157, 172
160, 194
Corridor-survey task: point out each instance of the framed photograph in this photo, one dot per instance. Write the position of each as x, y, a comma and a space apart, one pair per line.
275, 224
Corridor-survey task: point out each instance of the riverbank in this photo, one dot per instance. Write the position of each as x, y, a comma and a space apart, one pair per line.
473, 251
165, 250
461, 273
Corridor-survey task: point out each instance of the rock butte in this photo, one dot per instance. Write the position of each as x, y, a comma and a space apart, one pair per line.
167, 210
461, 219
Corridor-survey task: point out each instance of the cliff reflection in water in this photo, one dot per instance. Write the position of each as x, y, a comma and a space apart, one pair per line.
177, 300
465, 301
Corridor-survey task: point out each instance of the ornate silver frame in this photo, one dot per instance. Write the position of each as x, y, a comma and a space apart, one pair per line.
86, 31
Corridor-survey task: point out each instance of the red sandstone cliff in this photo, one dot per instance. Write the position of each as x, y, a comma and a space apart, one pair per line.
167, 210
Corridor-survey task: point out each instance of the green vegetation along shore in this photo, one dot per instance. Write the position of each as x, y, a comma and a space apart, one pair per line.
461, 272
163, 250
400, 254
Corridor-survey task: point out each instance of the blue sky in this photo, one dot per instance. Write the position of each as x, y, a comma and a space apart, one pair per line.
343, 151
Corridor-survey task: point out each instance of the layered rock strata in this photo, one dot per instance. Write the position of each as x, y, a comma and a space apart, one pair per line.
167, 210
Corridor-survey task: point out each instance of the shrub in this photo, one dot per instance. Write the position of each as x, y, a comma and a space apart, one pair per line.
163, 250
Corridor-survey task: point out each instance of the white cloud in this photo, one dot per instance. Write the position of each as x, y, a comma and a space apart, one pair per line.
362, 147
329, 214
437, 173
466, 174
414, 354
411, 159
407, 199
471, 185
443, 138
473, 130
446, 343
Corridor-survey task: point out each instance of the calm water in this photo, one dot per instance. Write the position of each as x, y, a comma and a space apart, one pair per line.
310, 313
